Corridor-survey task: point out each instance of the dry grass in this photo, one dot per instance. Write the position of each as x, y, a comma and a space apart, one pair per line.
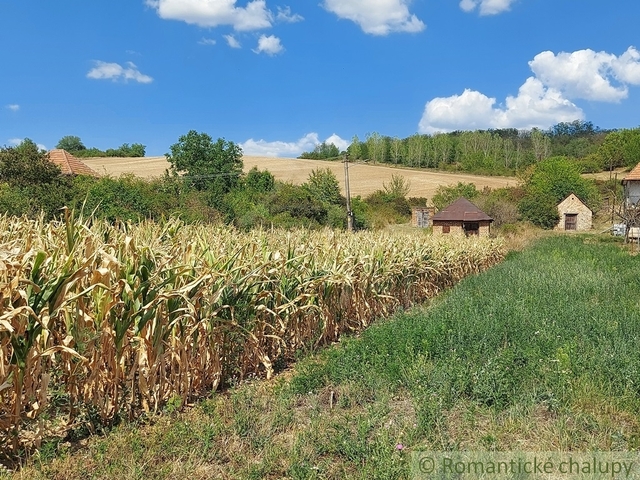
618, 173
364, 178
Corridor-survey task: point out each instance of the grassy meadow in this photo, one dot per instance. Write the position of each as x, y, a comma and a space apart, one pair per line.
538, 353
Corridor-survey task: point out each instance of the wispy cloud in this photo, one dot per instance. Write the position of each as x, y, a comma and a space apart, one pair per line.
270, 45
116, 72
486, 7
207, 41
14, 107
285, 15
379, 17
232, 42
543, 99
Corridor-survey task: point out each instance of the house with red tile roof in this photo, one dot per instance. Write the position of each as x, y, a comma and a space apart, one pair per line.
69, 164
631, 184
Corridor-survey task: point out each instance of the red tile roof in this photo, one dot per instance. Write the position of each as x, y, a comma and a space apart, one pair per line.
69, 164
462, 210
633, 174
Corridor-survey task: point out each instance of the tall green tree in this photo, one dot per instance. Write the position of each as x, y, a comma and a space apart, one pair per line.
71, 143
205, 164
355, 149
621, 148
323, 185
376, 147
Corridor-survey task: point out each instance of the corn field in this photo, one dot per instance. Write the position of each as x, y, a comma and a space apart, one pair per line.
116, 320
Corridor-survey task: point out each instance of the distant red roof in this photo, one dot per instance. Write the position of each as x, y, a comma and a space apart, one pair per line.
633, 174
462, 210
69, 164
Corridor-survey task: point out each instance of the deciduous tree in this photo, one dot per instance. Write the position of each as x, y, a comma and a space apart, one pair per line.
205, 164
71, 143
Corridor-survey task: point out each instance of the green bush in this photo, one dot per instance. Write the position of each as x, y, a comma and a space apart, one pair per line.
297, 202
547, 184
448, 194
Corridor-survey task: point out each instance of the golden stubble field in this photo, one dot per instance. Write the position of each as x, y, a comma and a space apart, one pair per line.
363, 178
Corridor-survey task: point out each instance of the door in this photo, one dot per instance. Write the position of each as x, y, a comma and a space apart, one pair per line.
570, 221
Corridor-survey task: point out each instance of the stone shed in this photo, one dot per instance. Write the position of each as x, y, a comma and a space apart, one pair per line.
461, 218
421, 216
574, 215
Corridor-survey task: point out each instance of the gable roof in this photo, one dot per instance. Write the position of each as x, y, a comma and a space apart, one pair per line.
462, 210
633, 174
69, 164
572, 198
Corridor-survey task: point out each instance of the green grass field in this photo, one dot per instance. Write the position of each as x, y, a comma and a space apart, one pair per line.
539, 353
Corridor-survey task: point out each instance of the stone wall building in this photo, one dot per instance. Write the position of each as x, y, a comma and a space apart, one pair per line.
421, 216
574, 215
461, 218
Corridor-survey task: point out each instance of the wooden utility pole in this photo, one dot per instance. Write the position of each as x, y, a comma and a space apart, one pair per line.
348, 193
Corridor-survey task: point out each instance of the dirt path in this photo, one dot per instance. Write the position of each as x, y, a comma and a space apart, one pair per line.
363, 178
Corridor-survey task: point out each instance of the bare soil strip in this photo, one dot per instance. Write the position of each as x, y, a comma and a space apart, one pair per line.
363, 178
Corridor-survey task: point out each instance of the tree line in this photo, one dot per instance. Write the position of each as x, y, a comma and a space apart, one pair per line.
501, 151
74, 145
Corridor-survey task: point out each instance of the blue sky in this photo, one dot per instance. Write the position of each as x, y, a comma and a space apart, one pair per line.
279, 77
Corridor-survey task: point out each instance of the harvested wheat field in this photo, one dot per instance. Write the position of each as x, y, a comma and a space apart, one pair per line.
363, 178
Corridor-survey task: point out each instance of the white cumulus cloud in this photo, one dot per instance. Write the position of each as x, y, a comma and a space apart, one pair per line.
590, 75
13, 107
213, 13
544, 99
115, 72
377, 17
486, 7
289, 149
338, 142
534, 106
270, 45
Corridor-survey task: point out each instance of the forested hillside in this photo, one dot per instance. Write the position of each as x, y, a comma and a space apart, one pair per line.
501, 151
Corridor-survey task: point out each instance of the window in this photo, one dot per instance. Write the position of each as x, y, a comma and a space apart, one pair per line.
471, 228
446, 228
